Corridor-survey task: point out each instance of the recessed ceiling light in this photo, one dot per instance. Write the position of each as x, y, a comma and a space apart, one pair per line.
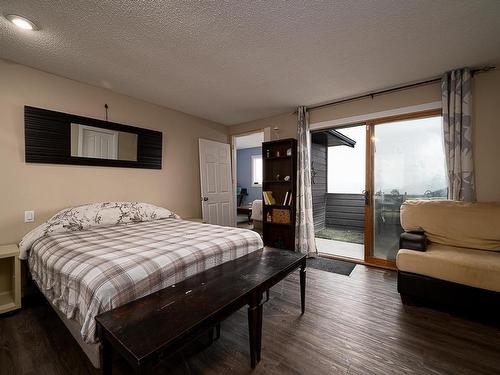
21, 22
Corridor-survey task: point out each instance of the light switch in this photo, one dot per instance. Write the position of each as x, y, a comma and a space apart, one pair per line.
29, 216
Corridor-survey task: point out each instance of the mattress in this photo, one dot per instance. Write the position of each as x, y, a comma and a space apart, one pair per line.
84, 273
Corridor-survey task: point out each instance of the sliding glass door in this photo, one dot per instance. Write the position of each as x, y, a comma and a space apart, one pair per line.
363, 173
406, 161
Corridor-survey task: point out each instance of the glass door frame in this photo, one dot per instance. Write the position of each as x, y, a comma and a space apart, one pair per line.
370, 180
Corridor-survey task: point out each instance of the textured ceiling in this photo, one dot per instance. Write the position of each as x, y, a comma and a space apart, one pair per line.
235, 61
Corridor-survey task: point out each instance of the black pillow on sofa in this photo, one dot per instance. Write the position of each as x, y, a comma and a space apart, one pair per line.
413, 241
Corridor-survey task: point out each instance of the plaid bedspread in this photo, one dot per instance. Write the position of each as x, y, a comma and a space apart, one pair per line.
84, 273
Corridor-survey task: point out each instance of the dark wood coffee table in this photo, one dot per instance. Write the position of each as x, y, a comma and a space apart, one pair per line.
151, 327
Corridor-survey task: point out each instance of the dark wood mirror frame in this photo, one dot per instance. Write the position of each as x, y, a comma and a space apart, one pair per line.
47, 137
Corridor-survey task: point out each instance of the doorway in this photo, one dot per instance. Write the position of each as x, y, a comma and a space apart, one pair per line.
247, 157
371, 170
338, 182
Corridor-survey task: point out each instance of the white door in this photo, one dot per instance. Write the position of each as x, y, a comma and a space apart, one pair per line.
216, 185
97, 143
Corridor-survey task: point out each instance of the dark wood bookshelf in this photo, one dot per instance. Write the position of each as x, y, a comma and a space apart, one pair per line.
278, 182
279, 160
277, 157
279, 205
282, 224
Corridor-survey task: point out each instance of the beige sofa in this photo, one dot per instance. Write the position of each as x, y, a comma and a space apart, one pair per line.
461, 261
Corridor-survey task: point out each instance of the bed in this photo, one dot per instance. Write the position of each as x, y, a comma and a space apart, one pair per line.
91, 259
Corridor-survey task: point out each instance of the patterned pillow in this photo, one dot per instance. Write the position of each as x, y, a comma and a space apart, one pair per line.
92, 215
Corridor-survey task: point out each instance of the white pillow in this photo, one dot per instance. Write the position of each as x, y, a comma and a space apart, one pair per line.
92, 215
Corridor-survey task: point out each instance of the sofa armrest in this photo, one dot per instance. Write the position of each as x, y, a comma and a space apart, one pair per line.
413, 241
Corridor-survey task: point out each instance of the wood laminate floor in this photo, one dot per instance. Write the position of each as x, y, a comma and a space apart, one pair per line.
352, 325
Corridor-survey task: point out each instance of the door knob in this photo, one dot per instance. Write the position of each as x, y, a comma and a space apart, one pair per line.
205, 199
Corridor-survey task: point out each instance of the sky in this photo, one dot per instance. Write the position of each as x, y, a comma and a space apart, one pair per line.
346, 165
409, 157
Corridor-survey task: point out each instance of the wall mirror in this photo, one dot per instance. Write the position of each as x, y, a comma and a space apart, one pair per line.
61, 138
93, 142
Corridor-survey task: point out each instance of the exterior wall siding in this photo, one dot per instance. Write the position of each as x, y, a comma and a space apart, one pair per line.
345, 211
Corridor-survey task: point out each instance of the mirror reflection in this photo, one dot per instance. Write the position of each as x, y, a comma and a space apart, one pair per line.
93, 142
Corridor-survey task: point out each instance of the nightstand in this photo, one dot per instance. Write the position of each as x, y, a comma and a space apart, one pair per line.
10, 278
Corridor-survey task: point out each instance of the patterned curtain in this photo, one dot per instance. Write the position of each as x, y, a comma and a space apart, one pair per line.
304, 230
457, 127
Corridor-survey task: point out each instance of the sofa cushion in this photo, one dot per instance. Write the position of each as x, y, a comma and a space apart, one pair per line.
413, 241
476, 268
470, 225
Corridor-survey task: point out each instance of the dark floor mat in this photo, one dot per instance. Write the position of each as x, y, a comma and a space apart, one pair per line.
331, 265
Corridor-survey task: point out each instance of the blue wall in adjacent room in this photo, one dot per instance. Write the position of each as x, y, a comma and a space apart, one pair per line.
244, 173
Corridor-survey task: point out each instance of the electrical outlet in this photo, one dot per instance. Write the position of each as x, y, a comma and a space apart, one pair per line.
29, 216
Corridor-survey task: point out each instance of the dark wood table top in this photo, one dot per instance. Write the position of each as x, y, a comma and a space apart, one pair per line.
246, 208
161, 320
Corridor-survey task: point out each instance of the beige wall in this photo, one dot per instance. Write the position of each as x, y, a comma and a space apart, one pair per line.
127, 146
288, 122
486, 121
75, 129
398, 99
49, 188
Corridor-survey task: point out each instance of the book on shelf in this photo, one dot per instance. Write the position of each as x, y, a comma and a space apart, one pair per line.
286, 198
268, 197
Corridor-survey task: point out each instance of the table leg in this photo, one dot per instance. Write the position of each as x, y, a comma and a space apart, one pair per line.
255, 328
258, 344
217, 330
303, 286
145, 369
106, 358
210, 336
